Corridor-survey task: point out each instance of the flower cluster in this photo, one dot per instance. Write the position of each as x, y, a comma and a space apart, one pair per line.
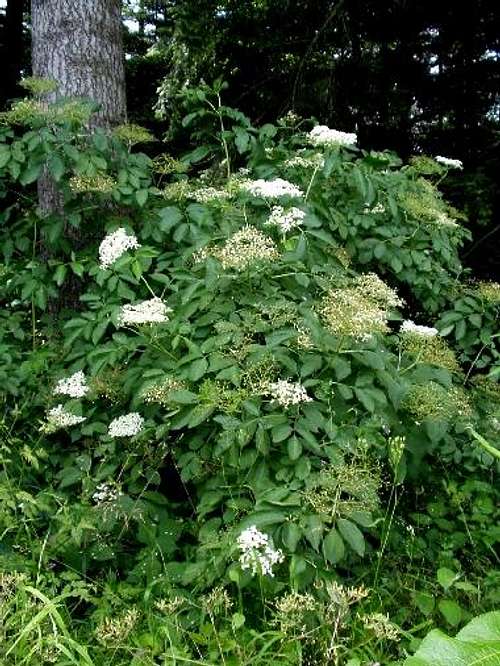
209, 194
131, 133
101, 182
127, 425
291, 611
489, 291
432, 401
58, 417
114, 245
347, 312
285, 219
74, 386
448, 162
153, 311
305, 161
114, 631
410, 327
379, 208
376, 289
444, 220
257, 553
271, 189
381, 626
427, 346
321, 135
396, 446
105, 493
287, 393
160, 392
245, 247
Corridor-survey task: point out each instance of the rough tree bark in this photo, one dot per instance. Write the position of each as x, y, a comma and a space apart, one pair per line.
78, 43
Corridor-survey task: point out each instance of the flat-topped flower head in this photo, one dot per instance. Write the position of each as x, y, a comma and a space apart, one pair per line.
114, 245
127, 425
449, 162
287, 393
257, 552
321, 135
272, 189
246, 247
409, 326
286, 219
59, 417
153, 311
74, 386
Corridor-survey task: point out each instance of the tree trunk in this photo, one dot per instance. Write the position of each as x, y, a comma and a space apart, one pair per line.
78, 43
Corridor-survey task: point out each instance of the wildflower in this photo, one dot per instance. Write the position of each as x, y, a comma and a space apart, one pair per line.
409, 326
396, 446
432, 401
105, 493
127, 425
305, 161
74, 386
381, 626
245, 247
377, 209
160, 392
170, 606
291, 611
489, 291
444, 220
257, 553
428, 347
131, 133
100, 182
153, 311
346, 312
448, 162
272, 189
114, 245
376, 289
341, 595
58, 417
285, 219
321, 135
287, 393
209, 194
216, 601
113, 631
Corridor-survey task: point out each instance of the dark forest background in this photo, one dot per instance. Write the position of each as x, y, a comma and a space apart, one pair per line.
412, 76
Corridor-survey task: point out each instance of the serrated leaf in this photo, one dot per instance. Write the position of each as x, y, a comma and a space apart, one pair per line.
333, 547
353, 535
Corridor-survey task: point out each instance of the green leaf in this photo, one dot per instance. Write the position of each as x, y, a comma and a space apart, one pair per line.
281, 432
425, 602
197, 369
314, 530
451, 611
30, 174
141, 197
56, 167
237, 621
333, 547
446, 577
353, 535
294, 448
291, 536
477, 644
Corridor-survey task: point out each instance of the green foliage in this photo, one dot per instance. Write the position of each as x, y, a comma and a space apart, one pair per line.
274, 389
477, 643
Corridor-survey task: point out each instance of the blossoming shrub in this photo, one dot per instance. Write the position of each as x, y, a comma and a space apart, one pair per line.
241, 379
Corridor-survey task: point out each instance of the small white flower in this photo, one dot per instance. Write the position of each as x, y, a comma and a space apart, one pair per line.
74, 386
153, 311
272, 189
257, 553
451, 163
378, 208
287, 393
321, 135
208, 194
409, 326
114, 245
304, 161
58, 417
284, 219
127, 425
105, 493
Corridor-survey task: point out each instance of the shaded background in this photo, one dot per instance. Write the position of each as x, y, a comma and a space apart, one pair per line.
414, 77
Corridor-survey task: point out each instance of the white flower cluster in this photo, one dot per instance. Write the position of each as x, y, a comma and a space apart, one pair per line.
105, 492
272, 189
58, 417
257, 553
209, 194
445, 220
449, 162
153, 311
409, 326
74, 386
245, 247
300, 160
127, 425
287, 393
378, 208
114, 245
321, 135
285, 219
